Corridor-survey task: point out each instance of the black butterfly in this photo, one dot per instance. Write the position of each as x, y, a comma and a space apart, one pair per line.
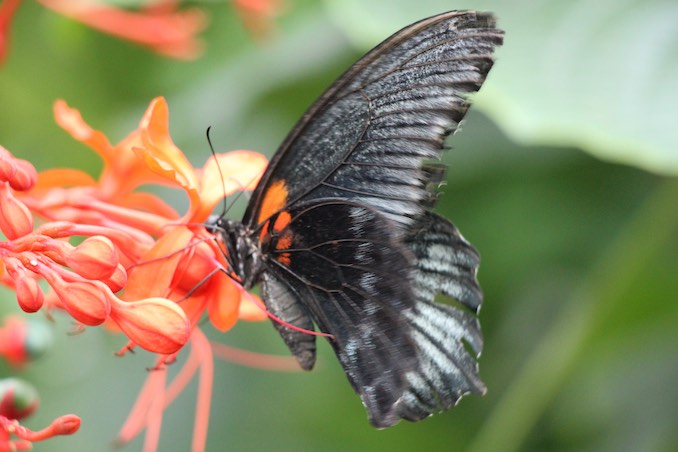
340, 232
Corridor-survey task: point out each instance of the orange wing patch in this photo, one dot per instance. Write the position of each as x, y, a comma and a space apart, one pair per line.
274, 200
284, 242
282, 221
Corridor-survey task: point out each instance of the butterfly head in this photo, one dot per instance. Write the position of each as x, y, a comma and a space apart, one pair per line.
241, 252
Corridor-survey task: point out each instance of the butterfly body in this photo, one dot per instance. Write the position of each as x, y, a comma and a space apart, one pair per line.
340, 234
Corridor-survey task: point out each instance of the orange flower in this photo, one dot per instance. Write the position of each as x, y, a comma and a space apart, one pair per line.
194, 255
171, 272
159, 26
257, 15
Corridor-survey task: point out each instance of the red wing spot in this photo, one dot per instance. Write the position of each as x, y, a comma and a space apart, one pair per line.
275, 199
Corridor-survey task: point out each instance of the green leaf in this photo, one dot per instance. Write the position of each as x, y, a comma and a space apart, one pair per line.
599, 75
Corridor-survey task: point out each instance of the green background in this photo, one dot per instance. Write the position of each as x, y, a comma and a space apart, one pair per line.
563, 177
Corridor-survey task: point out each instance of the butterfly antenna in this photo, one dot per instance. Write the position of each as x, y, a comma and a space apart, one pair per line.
221, 174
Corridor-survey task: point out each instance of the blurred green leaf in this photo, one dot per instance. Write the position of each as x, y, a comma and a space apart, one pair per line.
598, 75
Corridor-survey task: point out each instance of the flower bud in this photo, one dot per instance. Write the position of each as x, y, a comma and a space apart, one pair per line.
29, 295
25, 176
86, 302
95, 258
7, 167
19, 173
18, 399
65, 425
155, 324
223, 311
28, 292
15, 218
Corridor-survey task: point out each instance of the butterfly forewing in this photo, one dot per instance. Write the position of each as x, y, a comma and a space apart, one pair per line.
340, 233
366, 138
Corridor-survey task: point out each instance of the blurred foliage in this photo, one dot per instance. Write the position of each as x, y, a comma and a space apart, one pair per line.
579, 255
600, 75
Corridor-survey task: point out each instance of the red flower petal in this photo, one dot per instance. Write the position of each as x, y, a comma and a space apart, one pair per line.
159, 151
229, 173
224, 303
252, 308
154, 273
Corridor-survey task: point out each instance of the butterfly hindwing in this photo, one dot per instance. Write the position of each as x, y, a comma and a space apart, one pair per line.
355, 282
283, 302
447, 336
405, 354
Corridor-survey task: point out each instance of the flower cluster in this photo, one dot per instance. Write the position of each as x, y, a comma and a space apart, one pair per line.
83, 277
140, 267
160, 25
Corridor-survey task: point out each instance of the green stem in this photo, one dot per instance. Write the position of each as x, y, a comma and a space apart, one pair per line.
551, 362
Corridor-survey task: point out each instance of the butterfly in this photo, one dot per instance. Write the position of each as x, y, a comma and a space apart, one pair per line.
340, 233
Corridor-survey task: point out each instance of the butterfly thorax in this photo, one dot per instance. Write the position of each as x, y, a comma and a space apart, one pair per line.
243, 254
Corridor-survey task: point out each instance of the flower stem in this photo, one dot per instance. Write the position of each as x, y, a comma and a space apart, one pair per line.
552, 361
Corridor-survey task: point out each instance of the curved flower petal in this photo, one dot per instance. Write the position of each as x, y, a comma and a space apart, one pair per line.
159, 151
252, 308
230, 172
123, 170
71, 121
63, 177
155, 271
224, 305
147, 202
